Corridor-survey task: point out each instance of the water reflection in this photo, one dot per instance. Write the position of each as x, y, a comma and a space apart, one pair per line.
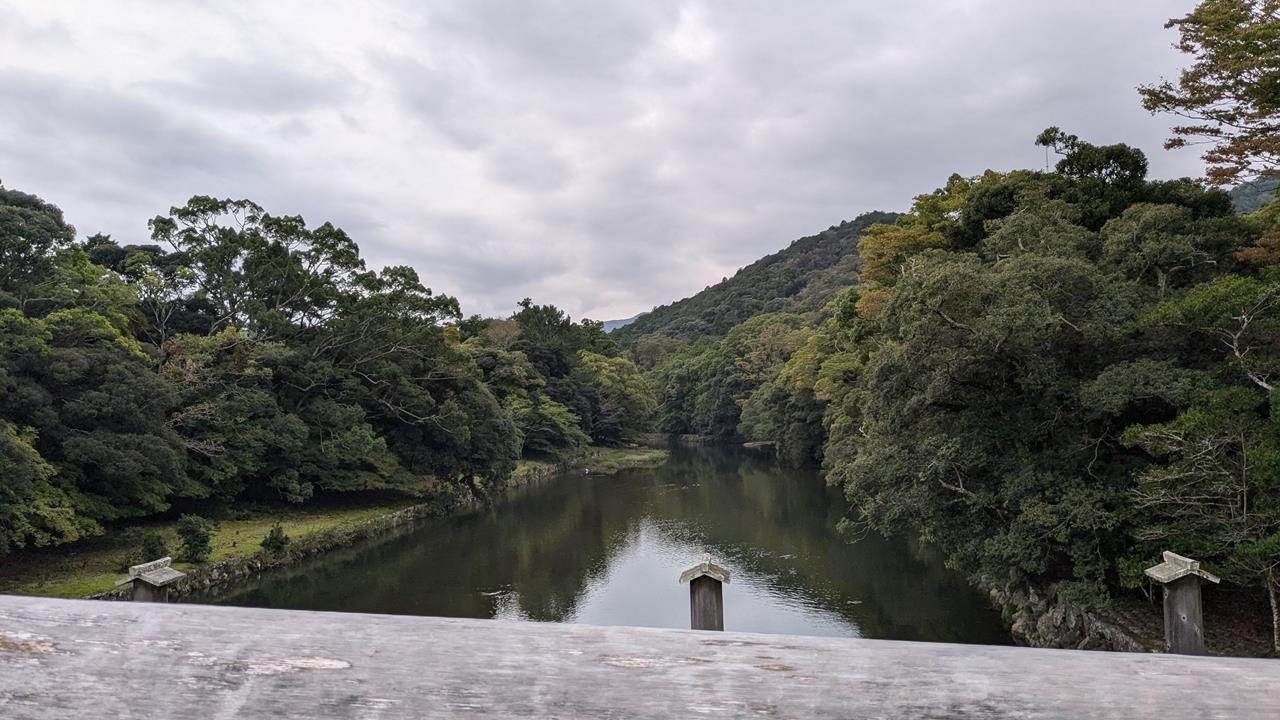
607, 551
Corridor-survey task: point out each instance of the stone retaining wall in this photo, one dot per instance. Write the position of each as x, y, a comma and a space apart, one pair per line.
1043, 618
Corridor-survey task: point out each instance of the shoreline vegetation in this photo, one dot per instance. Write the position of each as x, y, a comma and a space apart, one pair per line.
1051, 375
91, 567
248, 368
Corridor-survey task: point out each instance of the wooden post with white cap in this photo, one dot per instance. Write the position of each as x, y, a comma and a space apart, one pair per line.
706, 594
1183, 613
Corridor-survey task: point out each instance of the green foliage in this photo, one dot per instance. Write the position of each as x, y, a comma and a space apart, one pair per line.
703, 386
97, 411
548, 428
989, 413
801, 278
971, 426
619, 401
564, 383
1227, 98
1214, 485
276, 542
31, 234
153, 546
265, 273
1052, 376
257, 359
194, 532
34, 510
1249, 196
143, 546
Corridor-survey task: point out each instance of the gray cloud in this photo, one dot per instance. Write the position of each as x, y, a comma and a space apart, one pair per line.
104, 157
603, 156
260, 84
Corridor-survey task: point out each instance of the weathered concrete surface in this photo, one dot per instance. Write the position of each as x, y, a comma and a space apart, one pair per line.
77, 659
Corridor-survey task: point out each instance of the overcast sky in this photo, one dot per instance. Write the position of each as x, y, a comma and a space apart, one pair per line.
603, 156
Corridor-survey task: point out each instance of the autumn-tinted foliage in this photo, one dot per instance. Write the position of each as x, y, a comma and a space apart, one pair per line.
1227, 98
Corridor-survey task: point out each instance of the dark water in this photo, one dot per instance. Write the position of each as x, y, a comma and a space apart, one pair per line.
609, 550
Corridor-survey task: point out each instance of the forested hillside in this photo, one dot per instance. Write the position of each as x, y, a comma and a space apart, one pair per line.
1052, 375
707, 353
800, 278
246, 356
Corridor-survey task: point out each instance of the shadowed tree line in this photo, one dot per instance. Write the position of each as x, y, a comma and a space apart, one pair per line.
244, 356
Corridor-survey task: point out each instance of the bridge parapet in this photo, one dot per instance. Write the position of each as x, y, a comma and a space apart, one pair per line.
78, 658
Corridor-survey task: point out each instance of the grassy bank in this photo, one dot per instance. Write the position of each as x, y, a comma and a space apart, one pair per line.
592, 461
607, 461
93, 565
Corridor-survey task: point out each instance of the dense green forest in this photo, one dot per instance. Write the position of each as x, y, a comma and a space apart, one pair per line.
1053, 375
245, 356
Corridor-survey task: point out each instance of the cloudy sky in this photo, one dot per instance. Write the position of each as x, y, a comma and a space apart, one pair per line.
602, 156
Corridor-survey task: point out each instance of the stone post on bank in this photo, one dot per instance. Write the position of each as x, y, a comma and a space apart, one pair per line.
151, 580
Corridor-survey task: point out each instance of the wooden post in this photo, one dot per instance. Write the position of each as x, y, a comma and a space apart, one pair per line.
1183, 614
706, 604
706, 594
151, 580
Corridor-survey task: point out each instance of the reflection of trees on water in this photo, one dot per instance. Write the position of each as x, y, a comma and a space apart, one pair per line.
901, 589
537, 555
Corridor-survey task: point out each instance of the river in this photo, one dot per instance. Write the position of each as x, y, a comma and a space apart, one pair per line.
609, 550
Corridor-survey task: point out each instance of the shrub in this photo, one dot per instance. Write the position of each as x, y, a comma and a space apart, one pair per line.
276, 541
142, 546
153, 546
193, 530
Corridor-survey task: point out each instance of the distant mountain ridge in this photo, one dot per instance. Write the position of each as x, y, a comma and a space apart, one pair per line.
799, 278
611, 325
1252, 195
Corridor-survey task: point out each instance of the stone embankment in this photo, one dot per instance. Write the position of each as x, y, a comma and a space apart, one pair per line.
1043, 618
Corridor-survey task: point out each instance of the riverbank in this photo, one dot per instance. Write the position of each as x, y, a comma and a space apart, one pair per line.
1234, 625
91, 567
579, 548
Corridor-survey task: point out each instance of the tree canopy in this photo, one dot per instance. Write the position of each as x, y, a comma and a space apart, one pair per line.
246, 356
1053, 376
1229, 97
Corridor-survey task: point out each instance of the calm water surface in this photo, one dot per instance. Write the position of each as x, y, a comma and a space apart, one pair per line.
609, 550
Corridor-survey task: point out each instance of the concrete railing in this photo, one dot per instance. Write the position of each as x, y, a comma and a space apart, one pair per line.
80, 659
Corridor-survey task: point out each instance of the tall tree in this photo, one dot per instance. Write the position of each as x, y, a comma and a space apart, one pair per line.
1230, 95
31, 232
264, 273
